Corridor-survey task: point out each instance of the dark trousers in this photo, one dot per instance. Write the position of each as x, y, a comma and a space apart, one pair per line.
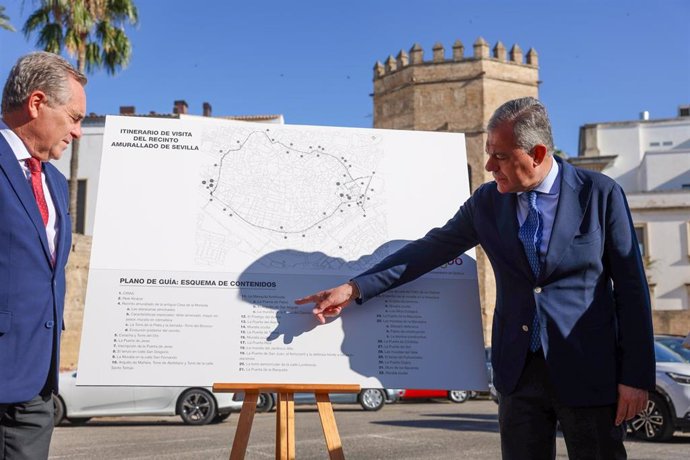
528, 417
26, 428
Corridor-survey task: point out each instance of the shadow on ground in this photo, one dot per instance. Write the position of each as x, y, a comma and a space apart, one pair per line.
486, 423
129, 421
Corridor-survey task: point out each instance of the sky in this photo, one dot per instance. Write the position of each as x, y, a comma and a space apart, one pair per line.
312, 61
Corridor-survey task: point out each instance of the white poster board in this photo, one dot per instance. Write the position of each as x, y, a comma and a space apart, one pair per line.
207, 230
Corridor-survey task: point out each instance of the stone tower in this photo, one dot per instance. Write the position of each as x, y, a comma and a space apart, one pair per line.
458, 94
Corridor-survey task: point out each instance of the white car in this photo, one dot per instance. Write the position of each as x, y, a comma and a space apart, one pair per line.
371, 399
668, 409
195, 405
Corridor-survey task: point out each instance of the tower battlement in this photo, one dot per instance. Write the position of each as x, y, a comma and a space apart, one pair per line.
481, 50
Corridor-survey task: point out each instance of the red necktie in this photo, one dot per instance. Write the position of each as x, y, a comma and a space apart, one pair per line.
34, 165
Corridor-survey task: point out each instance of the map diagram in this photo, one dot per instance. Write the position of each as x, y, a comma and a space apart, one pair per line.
299, 190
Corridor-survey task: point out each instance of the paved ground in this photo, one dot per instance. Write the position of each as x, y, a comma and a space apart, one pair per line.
410, 430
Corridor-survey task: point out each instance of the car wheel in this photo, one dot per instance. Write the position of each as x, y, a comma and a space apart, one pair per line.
265, 402
196, 407
78, 420
220, 418
58, 410
654, 423
371, 399
458, 396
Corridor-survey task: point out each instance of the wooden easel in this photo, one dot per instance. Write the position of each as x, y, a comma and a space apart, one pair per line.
285, 416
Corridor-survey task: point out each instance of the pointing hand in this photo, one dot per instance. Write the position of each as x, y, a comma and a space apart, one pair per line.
331, 301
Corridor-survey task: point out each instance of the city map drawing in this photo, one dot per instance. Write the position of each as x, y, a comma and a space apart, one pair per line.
311, 192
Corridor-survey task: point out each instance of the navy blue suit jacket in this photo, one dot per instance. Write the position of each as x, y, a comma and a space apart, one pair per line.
592, 296
32, 291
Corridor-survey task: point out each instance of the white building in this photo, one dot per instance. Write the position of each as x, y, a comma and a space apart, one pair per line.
91, 147
650, 159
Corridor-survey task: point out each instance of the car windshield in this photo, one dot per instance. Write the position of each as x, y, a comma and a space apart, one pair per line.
666, 355
676, 345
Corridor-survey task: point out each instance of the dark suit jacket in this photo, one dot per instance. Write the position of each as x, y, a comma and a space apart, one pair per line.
592, 296
32, 291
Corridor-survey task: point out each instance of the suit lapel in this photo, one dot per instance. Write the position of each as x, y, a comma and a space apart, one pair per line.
20, 185
572, 204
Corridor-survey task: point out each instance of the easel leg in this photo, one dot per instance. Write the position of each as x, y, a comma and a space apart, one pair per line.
330, 430
244, 426
285, 427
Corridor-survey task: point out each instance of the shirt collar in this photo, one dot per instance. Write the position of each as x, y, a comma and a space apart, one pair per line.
15, 142
550, 185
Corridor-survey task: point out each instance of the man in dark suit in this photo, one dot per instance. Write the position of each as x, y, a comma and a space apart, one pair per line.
43, 104
572, 333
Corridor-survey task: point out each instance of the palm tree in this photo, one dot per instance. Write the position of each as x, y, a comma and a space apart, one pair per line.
92, 32
5, 20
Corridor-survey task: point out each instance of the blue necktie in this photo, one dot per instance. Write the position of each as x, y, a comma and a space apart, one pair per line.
530, 235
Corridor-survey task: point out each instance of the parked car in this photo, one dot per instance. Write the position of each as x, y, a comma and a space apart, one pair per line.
195, 405
675, 343
371, 399
668, 409
457, 396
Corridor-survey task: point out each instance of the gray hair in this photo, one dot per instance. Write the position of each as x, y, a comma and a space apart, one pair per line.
39, 71
531, 125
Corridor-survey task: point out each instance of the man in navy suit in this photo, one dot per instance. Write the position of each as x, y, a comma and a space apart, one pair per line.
572, 333
43, 104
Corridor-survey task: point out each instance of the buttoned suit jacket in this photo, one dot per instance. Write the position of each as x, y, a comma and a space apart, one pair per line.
591, 295
32, 290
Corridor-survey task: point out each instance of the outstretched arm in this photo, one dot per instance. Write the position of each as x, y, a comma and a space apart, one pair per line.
331, 301
408, 263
